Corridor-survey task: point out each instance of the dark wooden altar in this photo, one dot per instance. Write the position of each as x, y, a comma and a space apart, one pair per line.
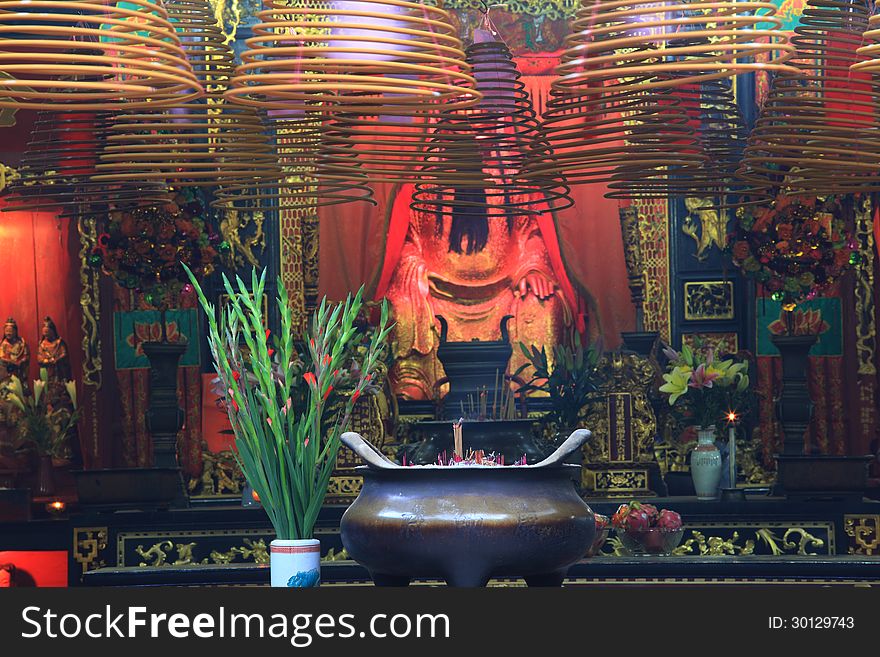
760, 540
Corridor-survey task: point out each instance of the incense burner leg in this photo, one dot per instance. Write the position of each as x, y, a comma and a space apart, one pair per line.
471, 578
546, 579
380, 579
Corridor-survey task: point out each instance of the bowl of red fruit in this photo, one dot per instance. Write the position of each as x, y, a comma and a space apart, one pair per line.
603, 528
643, 529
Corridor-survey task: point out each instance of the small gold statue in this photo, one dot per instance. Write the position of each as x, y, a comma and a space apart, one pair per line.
14, 353
52, 352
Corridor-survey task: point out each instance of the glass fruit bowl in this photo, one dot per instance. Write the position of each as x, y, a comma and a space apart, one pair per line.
651, 540
599, 541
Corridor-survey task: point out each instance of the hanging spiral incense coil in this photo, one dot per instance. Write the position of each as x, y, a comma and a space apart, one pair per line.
636, 43
203, 142
818, 130
382, 57
869, 52
300, 181
478, 159
58, 162
711, 110
611, 118
84, 55
389, 148
624, 136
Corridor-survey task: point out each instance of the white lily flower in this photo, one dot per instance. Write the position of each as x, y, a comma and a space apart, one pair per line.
15, 386
39, 386
16, 400
70, 386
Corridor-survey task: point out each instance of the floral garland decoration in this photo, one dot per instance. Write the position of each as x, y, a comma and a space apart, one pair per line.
142, 248
795, 248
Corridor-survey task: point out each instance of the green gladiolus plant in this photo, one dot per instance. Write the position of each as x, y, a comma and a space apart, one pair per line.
287, 440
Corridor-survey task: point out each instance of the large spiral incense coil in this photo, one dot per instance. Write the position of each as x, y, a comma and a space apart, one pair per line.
478, 158
300, 181
84, 55
611, 117
622, 137
632, 43
711, 110
202, 142
819, 131
870, 50
57, 164
377, 57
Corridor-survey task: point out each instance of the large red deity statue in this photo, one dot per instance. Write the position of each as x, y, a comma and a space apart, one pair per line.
472, 271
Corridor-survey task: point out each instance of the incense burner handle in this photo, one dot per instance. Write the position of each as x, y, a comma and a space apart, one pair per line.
372, 456
573, 442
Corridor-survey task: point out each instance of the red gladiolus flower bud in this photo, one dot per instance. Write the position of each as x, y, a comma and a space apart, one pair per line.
309, 378
236, 376
354, 397
326, 359
271, 352
234, 405
336, 372
268, 333
306, 442
368, 377
327, 393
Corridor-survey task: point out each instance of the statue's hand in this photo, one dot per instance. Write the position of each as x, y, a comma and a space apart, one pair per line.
538, 282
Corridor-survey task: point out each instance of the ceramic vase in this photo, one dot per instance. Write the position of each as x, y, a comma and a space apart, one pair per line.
45, 477
295, 563
706, 464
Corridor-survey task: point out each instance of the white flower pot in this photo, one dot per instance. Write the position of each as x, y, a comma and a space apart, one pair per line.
706, 465
295, 563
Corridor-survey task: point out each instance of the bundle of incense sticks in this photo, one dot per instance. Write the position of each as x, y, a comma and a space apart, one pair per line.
458, 448
503, 405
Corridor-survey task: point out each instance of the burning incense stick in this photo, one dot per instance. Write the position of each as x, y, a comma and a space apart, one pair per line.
457, 438
495, 398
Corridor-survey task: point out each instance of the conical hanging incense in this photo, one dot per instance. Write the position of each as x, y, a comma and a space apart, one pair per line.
721, 134
666, 43
622, 137
818, 131
377, 57
611, 117
479, 158
301, 180
57, 165
86, 55
196, 143
379, 72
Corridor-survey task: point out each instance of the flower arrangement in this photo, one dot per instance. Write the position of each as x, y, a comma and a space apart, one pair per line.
794, 248
287, 443
143, 248
568, 379
43, 425
704, 389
